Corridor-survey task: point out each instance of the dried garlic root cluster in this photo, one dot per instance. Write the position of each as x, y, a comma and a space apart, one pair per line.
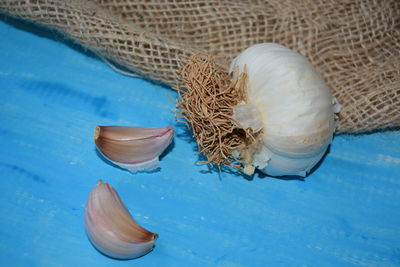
206, 97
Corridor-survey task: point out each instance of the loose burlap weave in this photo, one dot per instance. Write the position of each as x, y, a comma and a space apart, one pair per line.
354, 44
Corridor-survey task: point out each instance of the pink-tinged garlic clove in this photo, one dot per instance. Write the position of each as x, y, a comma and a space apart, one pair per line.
111, 228
133, 148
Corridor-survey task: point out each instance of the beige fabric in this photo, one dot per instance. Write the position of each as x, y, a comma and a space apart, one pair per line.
355, 44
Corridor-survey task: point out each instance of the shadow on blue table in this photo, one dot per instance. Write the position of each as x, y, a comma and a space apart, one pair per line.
55, 35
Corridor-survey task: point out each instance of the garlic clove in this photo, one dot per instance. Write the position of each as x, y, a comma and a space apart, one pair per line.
133, 148
111, 228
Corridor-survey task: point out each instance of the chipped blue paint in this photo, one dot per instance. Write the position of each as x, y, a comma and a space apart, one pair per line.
346, 213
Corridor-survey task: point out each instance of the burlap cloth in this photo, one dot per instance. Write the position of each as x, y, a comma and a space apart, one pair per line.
354, 44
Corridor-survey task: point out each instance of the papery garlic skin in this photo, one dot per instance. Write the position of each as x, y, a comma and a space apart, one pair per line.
133, 148
110, 227
295, 107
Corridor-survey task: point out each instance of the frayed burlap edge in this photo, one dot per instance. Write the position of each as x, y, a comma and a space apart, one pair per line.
206, 99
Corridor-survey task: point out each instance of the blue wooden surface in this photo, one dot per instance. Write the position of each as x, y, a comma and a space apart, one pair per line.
346, 213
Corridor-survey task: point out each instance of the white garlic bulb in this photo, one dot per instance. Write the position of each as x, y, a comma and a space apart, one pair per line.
289, 98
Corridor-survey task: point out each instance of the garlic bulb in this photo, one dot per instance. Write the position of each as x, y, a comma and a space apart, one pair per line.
133, 148
288, 97
110, 227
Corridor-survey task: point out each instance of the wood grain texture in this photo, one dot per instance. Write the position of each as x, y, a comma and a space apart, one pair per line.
346, 213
